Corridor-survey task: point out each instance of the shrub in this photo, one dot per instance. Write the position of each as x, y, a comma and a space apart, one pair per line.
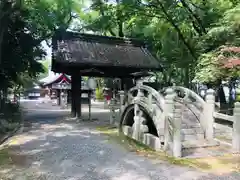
99, 94
238, 94
10, 117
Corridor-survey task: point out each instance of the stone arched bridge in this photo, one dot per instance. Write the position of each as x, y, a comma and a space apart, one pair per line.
173, 119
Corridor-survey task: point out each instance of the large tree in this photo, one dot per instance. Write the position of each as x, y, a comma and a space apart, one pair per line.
24, 24
172, 28
221, 54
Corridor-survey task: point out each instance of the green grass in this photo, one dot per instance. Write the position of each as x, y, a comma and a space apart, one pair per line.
212, 164
139, 148
224, 138
4, 157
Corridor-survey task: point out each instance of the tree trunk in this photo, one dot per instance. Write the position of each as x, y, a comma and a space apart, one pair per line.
103, 14
171, 21
1, 97
200, 28
186, 79
231, 87
4, 97
1, 40
119, 22
222, 98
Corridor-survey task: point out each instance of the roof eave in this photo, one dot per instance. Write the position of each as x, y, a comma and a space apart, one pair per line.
99, 65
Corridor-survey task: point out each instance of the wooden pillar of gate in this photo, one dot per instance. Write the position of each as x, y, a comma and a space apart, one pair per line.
76, 95
59, 97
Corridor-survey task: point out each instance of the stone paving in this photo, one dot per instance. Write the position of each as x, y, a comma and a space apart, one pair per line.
61, 150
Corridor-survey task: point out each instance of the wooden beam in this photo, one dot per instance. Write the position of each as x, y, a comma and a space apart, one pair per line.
105, 71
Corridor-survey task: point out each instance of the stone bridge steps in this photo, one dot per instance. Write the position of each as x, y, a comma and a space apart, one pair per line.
189, 134
192, 134
190, 147
191, 128
199, 143
176, 104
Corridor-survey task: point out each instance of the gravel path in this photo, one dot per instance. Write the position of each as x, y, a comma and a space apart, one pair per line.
55, 150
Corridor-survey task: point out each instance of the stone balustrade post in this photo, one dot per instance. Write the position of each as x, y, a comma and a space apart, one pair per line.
105, 105
89, 105
139, 93
139, 82
137, 124
236, 128
150, 100
207, 118
112, 112
129, 98
177, 124
168, 111
122, 96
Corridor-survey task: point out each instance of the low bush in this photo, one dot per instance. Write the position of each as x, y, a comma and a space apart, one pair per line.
10, 117
99, 94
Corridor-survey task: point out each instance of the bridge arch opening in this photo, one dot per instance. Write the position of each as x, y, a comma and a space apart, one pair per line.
127, 119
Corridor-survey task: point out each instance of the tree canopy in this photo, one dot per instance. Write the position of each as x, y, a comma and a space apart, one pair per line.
183, 34
24, 25
189, 37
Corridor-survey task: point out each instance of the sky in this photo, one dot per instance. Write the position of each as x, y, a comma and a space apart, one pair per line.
48, 57
47, 49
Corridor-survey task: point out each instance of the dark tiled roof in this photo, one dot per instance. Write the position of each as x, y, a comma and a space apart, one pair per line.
96, 51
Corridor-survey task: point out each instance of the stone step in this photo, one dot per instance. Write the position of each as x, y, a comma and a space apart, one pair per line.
189, 134
190, 137
190, 147
192, 131
194, 125
199, 144
198, 148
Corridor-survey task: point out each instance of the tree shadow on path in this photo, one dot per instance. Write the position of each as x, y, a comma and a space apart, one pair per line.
56, 149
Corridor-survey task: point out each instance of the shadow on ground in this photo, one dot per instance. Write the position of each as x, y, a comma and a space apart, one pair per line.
52, 148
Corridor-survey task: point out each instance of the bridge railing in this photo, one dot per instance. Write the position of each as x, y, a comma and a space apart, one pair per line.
235, 119
198, 107
142, 93
152, 94
173, 122
167, 114
154, 102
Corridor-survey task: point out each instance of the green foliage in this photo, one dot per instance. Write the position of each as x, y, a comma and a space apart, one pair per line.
11, 112
45, 65
208, 69
11, 117
182, 34
99, 94
47, 15
20, 51
226, 32
178, 32
24, 25
5, 157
